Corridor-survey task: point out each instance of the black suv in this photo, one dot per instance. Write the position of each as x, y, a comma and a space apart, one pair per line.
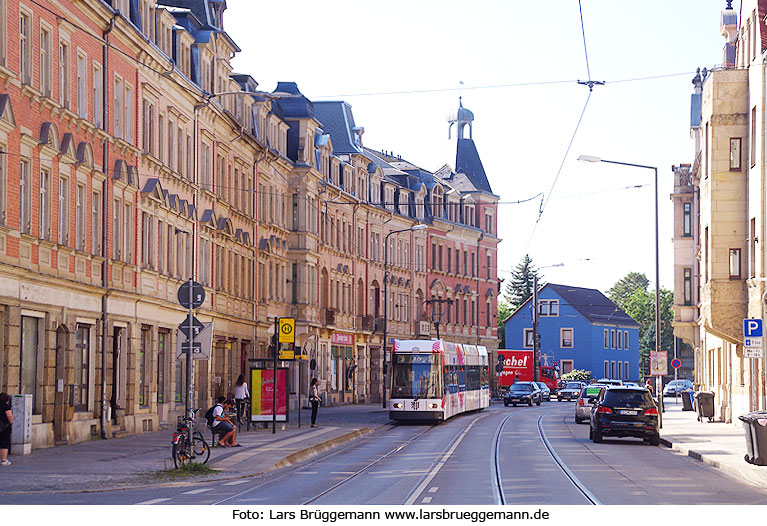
625, 412
523, 393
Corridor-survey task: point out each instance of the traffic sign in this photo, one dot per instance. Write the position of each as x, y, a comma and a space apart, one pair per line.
658, 363
191, 295
752, 328
287, 352
201, 347
287, 330
196, 327
676, 363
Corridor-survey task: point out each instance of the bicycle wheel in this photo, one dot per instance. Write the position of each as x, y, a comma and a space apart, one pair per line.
181, 453
200, 448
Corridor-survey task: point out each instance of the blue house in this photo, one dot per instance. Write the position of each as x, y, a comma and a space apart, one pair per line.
580, 329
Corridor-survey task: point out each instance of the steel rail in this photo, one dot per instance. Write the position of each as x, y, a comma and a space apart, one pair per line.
569, 474
496, 465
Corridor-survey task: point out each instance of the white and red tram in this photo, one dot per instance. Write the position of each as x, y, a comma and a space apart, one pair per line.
435, 379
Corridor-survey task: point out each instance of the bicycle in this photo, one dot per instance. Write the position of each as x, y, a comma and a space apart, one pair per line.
243, 414
188, 443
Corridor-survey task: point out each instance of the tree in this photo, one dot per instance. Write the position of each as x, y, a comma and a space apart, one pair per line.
631, 295
625, 288
504, 311
520, 286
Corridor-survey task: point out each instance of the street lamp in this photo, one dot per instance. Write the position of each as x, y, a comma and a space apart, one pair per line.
592, 159
419, 226
536, 337
439, 312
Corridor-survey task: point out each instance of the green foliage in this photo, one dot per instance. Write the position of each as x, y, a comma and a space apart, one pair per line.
520, 286
504, 311
577, 374
632, 296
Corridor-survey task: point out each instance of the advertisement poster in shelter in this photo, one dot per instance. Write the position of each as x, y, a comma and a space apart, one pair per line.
262, 381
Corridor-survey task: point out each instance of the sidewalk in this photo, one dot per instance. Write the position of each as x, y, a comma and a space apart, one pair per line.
718, 444
132, 460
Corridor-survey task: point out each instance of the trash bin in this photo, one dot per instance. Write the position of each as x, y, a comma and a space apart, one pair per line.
705, 400
687, 400
755, 429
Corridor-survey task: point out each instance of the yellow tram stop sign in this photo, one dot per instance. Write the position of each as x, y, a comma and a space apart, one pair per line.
287, 330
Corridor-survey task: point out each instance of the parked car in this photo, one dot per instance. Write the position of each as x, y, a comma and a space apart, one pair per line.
609, 381
585, 400
570, 391
624, 412
675, 387
522, 393
545, 391
631, 384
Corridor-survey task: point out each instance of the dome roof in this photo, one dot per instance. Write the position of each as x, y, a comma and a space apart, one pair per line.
460, 114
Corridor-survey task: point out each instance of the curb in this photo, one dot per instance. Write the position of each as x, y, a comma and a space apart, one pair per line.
705, 459
319, 448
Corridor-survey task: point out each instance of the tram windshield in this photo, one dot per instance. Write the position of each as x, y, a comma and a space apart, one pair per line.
416, 376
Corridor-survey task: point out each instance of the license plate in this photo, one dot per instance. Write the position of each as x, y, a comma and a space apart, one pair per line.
627, 412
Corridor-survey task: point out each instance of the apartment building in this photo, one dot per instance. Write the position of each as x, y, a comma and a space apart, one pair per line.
134, 158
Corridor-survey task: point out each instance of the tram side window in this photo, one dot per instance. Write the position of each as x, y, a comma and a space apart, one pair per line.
485, 377
472, 383
461, 379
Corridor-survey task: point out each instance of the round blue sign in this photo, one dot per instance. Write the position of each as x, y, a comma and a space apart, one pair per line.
676, 363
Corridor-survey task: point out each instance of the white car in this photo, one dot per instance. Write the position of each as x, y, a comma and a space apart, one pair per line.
570, 391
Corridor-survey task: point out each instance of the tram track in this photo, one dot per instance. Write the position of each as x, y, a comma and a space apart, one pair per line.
576, 482
496, 465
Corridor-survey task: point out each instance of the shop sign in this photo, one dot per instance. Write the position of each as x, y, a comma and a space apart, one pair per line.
342, 338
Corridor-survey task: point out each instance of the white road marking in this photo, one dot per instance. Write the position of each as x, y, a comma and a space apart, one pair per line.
434, 489
196, 491
436, 469
235, 482
426, 500
153, 501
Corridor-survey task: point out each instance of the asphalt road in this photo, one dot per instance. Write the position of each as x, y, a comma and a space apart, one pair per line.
457, 462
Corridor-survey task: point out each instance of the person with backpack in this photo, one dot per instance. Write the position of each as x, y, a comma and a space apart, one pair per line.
223, 425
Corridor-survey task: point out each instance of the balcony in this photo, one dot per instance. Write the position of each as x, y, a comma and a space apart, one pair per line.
328, 317
366, 323
379, 325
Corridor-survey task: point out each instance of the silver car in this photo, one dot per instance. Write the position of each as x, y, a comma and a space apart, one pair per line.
570, 391
585, 400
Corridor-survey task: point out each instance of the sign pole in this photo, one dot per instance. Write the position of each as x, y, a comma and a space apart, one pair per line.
189, 352
274, 377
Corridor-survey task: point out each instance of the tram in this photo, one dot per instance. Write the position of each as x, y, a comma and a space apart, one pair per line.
435, 379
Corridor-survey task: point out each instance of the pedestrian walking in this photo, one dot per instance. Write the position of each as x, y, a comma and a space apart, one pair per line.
241, 396
314, 398
6, 420
648, 385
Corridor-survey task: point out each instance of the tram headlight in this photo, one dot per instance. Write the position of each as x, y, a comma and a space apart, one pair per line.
433, 406
397, 405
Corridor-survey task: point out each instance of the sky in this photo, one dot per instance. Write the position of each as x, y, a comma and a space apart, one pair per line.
403, 65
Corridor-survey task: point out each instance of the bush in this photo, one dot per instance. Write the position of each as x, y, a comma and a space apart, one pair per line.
577, 374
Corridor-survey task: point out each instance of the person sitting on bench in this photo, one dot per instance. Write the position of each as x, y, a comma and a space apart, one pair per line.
223, 425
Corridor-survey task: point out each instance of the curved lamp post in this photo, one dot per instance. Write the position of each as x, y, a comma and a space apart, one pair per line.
419, 226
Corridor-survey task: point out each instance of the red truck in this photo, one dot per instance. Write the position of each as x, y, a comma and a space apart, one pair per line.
518, 366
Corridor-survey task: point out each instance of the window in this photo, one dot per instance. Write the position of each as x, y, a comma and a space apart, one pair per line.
45, 205
118, 108
144, 354
548, 307
688, 286
96, 223
566, 338
735, 155
82, 366
147, 241
147, 134
163, 339
46, 73
128, 121
612, 338
607, 339
612, 369
626, 340
128, 233
734, 263
117, 229
29, 356
82, 86
620, 339
753, 136
63, 211
626, 371
80, 218
687, 220
25, 47
489, 266
64, 75
607, 369
25, 205
528, 334
567, 366
98, 95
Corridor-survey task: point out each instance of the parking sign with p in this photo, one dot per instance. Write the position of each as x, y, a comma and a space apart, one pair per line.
753, 331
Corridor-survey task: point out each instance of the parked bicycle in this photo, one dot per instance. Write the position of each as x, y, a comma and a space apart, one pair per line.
243, 414
188, 443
